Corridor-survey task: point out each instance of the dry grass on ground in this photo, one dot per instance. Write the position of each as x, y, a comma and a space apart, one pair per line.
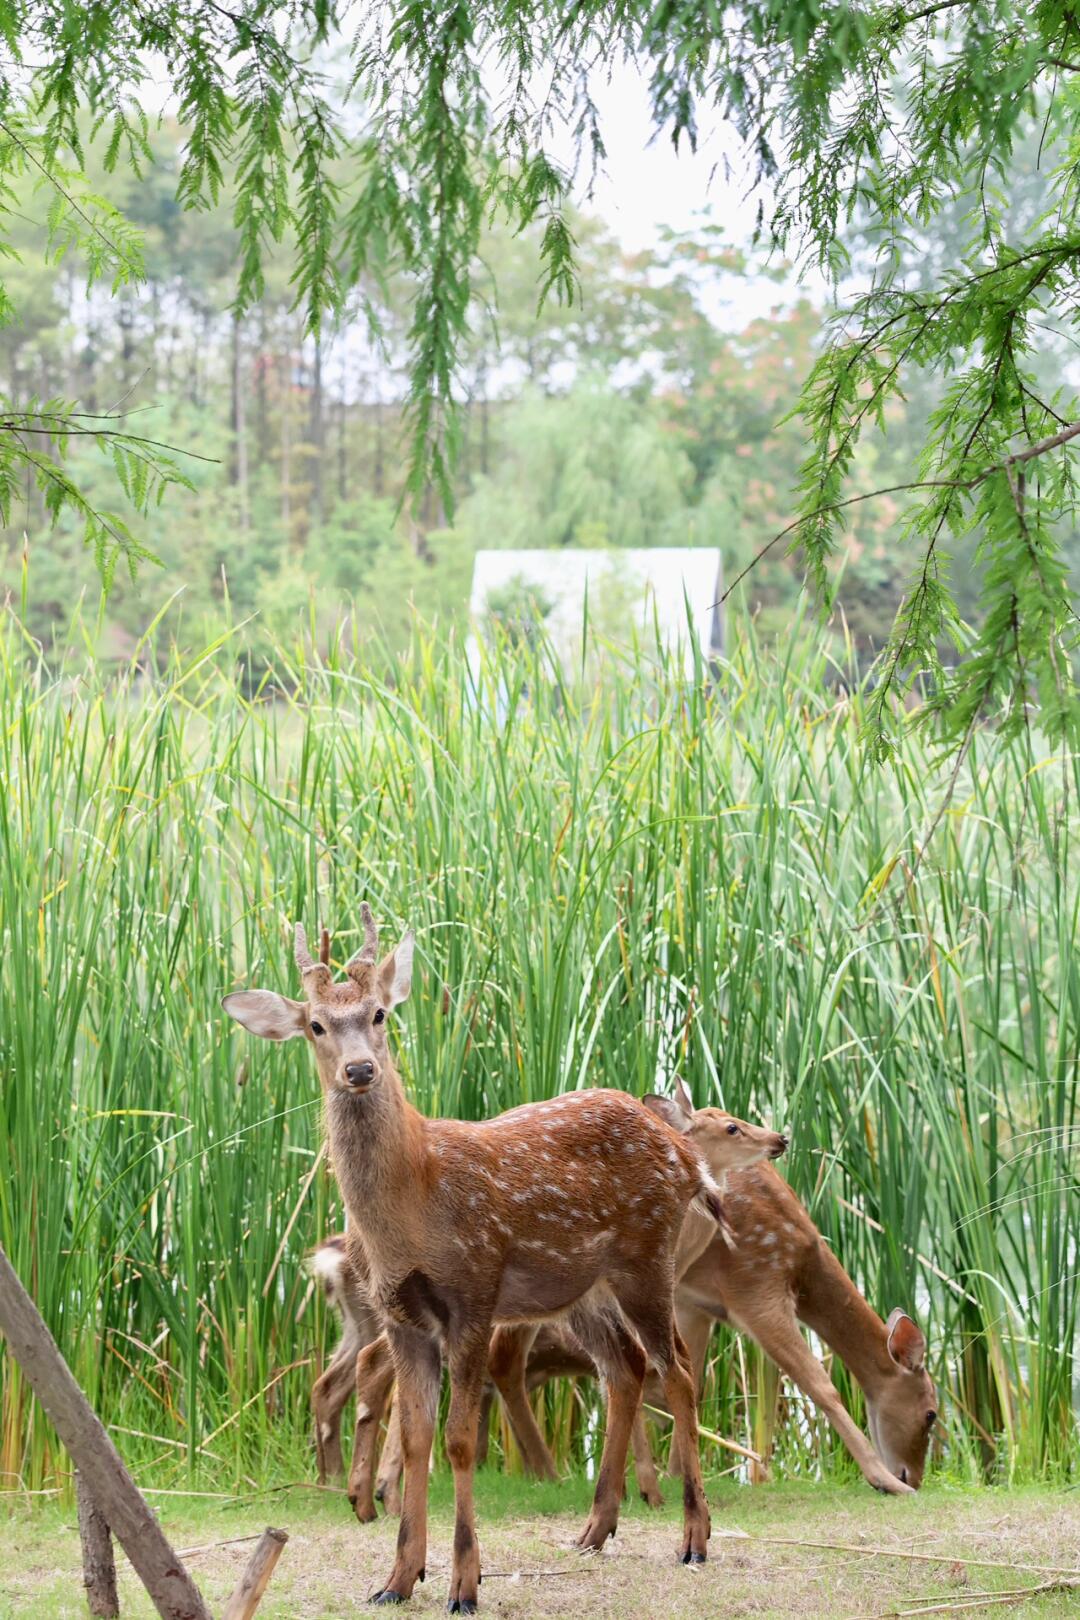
331, 1564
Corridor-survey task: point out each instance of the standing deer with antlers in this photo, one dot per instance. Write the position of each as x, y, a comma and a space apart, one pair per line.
572, 1206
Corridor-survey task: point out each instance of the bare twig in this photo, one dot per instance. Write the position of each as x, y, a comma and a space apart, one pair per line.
1042, 448
920, 1558
977, 1600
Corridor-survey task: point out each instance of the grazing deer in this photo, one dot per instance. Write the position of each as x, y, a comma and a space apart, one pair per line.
779, 1273
571, 1206
520, 1356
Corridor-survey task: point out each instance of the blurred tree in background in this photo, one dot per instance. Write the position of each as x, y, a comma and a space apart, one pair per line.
922, 158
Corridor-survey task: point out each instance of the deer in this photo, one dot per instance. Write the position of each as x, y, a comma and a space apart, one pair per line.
723, 1141
570, 1207
781, 1272
778, 1273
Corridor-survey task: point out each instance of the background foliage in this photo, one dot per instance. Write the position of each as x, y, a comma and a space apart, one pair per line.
356, 170
611, 883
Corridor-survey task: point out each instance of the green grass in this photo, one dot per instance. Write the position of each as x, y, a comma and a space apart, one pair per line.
629, 874
790, 1550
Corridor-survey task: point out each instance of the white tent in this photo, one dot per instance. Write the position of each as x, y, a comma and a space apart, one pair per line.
668, 592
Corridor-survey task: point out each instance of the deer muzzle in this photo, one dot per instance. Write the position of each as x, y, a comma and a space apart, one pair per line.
360, 1075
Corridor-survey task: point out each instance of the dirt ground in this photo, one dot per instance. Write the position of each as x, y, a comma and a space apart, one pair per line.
782, 1550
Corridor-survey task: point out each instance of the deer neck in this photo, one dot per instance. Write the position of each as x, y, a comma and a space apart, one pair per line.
831, 1304
377, 1150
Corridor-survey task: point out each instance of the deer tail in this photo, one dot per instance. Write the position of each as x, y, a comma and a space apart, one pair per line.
327, 1262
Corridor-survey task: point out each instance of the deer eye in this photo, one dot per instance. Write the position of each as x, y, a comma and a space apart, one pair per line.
379, 1016
317, 1029
931, 1419
733, 1130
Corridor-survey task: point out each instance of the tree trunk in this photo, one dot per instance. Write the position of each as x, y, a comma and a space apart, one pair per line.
286, 447
99, 1565
318, 436
343, 424
262, 415
238, 471
380, 465
114, 1492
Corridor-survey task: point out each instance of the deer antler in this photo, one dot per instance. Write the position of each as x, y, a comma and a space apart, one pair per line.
304, 961
358, 966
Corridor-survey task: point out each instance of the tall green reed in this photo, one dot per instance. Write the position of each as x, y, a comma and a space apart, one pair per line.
612, 876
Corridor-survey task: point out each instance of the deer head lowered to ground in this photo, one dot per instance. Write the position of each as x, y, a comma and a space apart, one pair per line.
569, 1206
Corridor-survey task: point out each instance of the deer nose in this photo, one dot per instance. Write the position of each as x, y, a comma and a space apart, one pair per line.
360, 1074
781, 1147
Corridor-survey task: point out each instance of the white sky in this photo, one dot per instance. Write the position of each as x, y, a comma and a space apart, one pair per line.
646, 185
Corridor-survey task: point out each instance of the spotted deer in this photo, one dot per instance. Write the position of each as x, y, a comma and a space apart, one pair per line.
571, 1207
517, 1352
778, 1272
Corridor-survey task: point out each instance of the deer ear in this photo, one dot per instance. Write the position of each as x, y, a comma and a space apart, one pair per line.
906, 1342
683, 1097
395, 973
668, 1110
265, 1013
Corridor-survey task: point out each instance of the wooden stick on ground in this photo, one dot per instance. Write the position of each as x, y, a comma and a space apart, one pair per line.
99, 1565
111, 1488
252, 1583
919, 1557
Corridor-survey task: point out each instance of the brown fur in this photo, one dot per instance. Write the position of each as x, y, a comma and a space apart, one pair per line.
725, 1143
741, 1285
572, 1205
780, 1273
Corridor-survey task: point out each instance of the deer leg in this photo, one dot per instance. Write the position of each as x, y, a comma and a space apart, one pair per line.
777, 1332
644, 1465
419, 1373
651, 1315
682, 1398
507, 1362
388, 1479
696, 1329
374, 1376
468, 1366
621, 1362
483, 1426
328, 1396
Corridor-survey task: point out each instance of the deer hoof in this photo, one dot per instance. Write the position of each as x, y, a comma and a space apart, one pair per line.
652, 1499
461, 1606
387, 1595
693, 1557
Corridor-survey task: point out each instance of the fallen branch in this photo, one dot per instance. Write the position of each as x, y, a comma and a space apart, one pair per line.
710, 1434
111, 1488
920, 1558
533, 1574
211, 1546
978, 1600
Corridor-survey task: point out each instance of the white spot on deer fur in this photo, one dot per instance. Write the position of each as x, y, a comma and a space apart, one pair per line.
768, 1240
327, 1430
